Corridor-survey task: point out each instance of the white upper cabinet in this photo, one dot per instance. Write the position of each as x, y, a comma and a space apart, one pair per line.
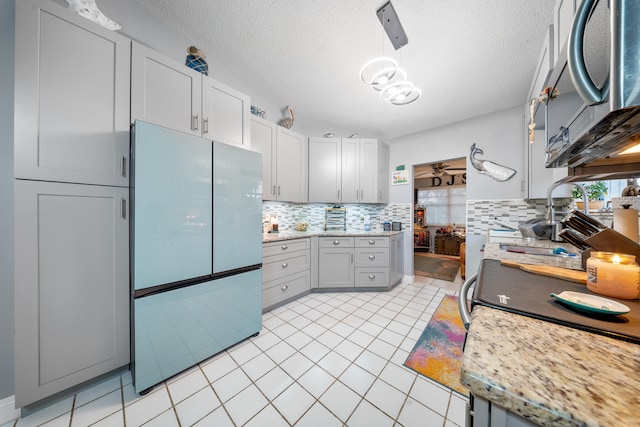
164, 92
263, 140
292, 171
225, 113
563, 13
284, 161
325, 168
170, 94
348, 170
72, 98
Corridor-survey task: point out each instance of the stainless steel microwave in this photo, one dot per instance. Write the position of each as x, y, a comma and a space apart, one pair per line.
596, 113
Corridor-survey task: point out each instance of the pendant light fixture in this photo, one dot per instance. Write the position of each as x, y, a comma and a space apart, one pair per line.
383, 74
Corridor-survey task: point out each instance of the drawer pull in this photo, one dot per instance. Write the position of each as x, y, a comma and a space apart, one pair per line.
336, 242
285, 265
372, 276
285, 287
372, 242
372, 257
285, 247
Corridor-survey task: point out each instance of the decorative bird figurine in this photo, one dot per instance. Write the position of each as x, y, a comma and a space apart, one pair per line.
88, 9
287, 122
487, 167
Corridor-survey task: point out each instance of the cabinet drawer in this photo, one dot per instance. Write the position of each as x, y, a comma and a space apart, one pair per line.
372, 277
372, 242
372, 257
335, 242
285, 246
281, 289
277, 266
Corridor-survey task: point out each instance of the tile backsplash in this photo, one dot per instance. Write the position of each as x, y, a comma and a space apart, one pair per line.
314, 213
481, 213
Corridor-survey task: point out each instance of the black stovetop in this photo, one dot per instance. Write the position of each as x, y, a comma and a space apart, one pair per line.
528, 294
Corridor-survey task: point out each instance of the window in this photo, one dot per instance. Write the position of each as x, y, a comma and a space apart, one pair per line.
444, 206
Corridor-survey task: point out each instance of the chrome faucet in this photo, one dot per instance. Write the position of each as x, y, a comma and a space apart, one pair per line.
551, 214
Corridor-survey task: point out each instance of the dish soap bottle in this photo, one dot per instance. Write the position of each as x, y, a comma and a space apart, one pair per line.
367, 223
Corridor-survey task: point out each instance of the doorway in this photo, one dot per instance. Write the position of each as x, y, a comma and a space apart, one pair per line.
439, 221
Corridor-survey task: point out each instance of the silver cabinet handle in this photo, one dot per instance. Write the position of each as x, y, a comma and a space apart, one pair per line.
284, 288
274, 190
372, 276
338, 195
205, 125
123, 166
351, 258
278, 190
194, 122
285, 247
336, 242
361, 194
285, 265
372, 257
372, 242
123, 208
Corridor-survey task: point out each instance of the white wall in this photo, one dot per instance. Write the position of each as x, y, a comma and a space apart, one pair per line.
500, 135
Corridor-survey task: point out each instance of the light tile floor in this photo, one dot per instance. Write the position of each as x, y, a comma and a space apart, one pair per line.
326, 359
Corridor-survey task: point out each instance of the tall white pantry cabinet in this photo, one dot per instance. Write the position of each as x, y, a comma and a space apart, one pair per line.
72, 91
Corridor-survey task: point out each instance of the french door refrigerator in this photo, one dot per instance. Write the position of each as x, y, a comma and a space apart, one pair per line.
196, 250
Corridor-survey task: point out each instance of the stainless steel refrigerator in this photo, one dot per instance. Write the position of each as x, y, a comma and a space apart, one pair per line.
196, 250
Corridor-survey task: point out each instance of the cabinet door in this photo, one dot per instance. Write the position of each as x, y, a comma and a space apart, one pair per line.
225, 113
368, 170
263, 140
72, 285
350, 171
336, 268
72, 98
383, 173
292, 152
325, 170
396, 258
164, 92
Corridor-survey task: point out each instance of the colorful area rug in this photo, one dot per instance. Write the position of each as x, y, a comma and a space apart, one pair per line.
438, 352
437, 267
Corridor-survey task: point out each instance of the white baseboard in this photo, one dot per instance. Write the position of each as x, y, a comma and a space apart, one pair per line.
8, 410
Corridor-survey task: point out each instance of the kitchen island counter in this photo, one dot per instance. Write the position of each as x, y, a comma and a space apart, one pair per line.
550, 374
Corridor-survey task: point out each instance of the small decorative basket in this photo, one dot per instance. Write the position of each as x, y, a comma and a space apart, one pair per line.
196, 60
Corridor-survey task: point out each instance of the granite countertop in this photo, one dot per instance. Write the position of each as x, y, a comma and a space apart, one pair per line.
550, 374
290, 235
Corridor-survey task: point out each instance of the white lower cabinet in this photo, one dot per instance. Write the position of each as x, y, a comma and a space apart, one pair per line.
484, 413
71, 285
360, 262
286, 270
335, 262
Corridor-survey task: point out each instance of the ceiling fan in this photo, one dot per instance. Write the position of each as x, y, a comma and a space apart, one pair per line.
443, 169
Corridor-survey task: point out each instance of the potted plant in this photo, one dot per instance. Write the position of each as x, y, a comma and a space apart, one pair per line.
595, 192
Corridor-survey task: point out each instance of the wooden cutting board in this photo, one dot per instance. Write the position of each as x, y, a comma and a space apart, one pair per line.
547, 270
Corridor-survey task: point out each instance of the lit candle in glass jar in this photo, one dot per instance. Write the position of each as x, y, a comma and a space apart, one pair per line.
614, 275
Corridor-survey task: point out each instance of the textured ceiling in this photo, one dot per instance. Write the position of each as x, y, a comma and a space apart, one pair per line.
469, 57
